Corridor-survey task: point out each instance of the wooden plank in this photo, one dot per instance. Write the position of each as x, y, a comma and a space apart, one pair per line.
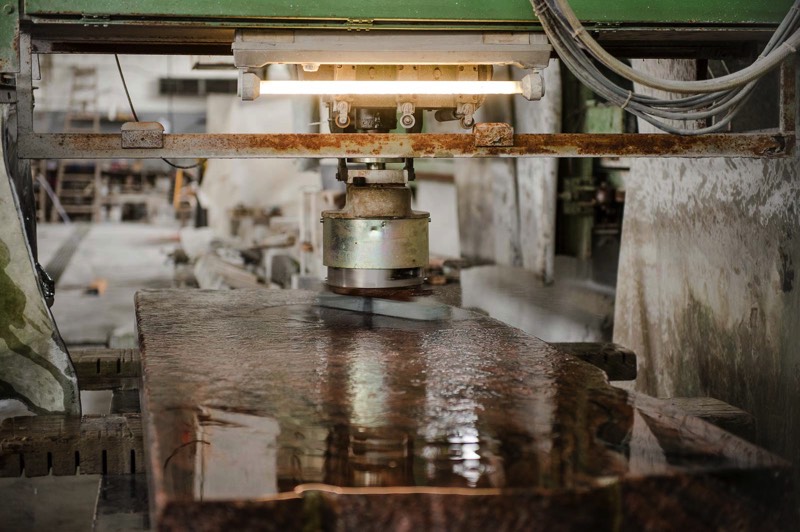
262, 409
106, 369
719, 413
618, 362
37, 446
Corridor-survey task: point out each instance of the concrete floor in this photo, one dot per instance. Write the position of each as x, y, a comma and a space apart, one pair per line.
128, 257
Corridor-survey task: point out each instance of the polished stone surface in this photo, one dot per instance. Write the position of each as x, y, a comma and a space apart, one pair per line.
264, 410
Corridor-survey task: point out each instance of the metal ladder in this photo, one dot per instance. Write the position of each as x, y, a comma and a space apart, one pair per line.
78, 181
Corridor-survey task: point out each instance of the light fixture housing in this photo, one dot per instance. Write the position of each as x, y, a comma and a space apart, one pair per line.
387, 87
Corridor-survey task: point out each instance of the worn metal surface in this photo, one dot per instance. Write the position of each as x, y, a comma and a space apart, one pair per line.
36, 374
142, 135
427, 145
193, 37
264, 411
375, 243
367, 201
493, 134
9, 36
255, 49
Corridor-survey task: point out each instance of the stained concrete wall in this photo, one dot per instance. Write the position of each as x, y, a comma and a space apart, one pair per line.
707, 293
255, 183
142, 74
507, 207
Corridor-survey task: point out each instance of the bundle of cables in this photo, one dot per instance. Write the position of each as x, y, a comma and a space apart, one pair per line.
718, 98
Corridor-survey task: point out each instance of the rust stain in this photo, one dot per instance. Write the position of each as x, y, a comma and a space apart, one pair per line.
420, 145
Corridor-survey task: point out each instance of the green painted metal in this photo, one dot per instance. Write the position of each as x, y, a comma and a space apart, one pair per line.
9, 36
603, 118
364, 12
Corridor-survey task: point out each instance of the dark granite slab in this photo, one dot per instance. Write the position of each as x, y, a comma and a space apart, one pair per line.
264, 411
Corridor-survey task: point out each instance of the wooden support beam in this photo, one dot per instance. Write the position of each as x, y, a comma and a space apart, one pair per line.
106, 369
618, 362
719, 413
62, 445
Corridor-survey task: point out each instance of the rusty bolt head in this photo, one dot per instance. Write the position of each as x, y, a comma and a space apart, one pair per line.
408, 121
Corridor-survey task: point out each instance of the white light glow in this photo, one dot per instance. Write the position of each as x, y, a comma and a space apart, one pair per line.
276, 87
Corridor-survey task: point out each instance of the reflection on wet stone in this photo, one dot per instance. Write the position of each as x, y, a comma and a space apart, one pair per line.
261, 396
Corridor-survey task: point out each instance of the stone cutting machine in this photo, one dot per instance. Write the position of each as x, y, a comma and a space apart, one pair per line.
378, 65
377, 83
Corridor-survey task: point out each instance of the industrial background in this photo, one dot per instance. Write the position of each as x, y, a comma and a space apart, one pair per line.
358, 265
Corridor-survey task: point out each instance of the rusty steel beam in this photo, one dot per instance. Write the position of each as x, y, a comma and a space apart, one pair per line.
427, 145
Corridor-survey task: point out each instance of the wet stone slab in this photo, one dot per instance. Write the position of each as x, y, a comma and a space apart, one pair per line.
265, 411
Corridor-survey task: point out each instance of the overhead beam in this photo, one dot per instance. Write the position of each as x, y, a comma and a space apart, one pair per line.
427, 145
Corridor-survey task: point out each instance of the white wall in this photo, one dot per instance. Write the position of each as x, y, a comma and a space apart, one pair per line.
707, 294
255, 183
440, 200
142, 73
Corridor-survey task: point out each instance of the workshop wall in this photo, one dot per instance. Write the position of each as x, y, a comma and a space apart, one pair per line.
507, 207
707, 292
142, 74
255, 183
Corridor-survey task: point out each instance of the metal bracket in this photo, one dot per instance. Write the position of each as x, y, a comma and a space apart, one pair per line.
142, 135
8, 93
359, 24
411, 175
341, 170
490, 134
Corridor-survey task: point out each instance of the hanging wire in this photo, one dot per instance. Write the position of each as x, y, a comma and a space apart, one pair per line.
136, 118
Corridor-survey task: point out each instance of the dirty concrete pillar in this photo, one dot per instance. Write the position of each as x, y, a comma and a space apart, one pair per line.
707, 291
36, 375
538, 178
506, 208
487, 194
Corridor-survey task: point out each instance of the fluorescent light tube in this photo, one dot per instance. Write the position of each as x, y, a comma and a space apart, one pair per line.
281, 87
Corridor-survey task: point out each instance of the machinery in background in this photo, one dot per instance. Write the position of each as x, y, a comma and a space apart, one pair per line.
591, 193
377, 244
500, 400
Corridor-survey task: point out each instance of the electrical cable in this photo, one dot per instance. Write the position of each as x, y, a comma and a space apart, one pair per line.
566, 37
136, 119
761, 66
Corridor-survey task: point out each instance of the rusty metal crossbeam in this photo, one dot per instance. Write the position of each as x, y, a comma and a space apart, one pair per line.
426, 145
